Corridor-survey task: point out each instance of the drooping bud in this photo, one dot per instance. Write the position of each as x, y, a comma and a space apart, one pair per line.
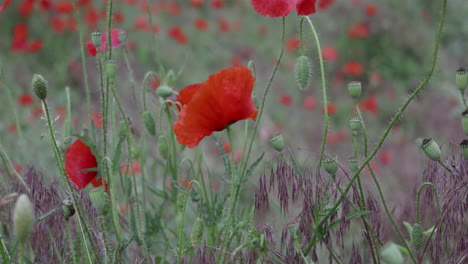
464, 148
96, 38
67, 209
431, 149
330, 165
465, 122
391, 254
303, 72
100, 199
23, 219
39, 86
353, 165
355, 89
417, 236
355, 124
164, 91
149, 123
163, 147
111, 69
277, 142
197, 232
461, 79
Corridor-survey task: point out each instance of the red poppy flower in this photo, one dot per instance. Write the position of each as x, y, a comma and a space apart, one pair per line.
201, 24
359, 30
329, 53
115, 42
371, 10
309, 103
132, 170
26, 8
196, 3
217, 4
97, 119
226, 146
5, 4
385, 157
331, 109
353, 68
285, 99
185, 95
224, 25
25, 99
370, 105
77, 159
225, 98
64, 7
278, 8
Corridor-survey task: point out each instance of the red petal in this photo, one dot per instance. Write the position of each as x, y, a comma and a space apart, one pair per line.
78, 158
186, 94
7, 2
91, 49
274, 8
223, 99
306, 7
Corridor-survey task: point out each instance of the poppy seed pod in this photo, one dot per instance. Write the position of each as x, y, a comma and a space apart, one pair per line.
67, 209
417, 236
464, 148
197, 232
111, 69
39, 86
163, 147
96, 39
391, 254
23, 219
330, 165
355, 89
465, 122
99, 199
461, 78
353, 165
355, 124
431, 149
303, 72
277, 142
149, 123
164, 91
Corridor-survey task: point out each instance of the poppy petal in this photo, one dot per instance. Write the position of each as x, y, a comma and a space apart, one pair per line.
186, 94
2, 7
306, 7
275, 8
78, 158
225, 98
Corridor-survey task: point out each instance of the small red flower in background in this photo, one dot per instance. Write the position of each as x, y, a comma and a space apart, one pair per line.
337, 137
385, 157
25, 99
182, 182
119, 17
224, 25
370, 105
353, 68
201, 24
132, 170
97, 119
278, 8
371, 10
309, 103
178, 34
5, 4
331, 108
78, 158
329, 53
225, 98
12, 128
218, 4
37, 112
359, 30
115, 42
236, 61
64, 7
325, 3
226, 147
285, 99
293, 44
196, 3
26, 8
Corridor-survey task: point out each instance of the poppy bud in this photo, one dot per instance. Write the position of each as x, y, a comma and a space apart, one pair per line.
67, 209
355, 89
464, 148
149, 123
164, 91
23, 219
277, 142
99, 199
431, 148
197, 232
163, 147
39, 85
96, 39
353, 165
465, 122
330, 165
391, 254
303, 72
111, 69
355, 125
461, 78
417, 236
123, 37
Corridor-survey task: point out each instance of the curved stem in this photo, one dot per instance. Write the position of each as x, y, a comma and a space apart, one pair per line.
419, 196
392, 123
324, 91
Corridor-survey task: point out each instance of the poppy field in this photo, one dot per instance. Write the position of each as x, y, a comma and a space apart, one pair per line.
233, 131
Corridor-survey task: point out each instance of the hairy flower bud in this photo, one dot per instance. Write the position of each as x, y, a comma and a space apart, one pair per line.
39, 86
23, 218
164, 91
303, 72
197, 232
417, 236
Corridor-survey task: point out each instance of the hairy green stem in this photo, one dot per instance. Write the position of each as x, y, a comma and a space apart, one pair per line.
389, 127
130, 72
426, 184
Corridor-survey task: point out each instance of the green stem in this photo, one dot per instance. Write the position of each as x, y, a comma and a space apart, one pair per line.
143, 91
104, 237
10, 169
445, 166
109, 28
419, 196
324, 91
298, 248
70, 241
130, 72
389, 127
463, 98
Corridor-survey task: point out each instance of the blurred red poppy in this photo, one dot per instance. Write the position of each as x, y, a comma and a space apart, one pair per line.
225, 98
359, 30
25, 99
329, 53
371, 10
309, 103
285, 99
293, 44
5, 4
370, 105
353, 68
115, 42
185, 95
278, 8
331, 108
77, 159
201, 24
134, 169
217, 4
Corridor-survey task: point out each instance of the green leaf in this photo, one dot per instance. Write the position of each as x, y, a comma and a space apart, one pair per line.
253, 166
429, 231
409, 227
44, 216
297, 165
357, 214
224, 155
